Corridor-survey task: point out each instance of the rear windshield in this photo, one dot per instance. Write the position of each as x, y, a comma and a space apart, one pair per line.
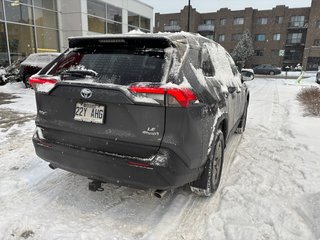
116, 66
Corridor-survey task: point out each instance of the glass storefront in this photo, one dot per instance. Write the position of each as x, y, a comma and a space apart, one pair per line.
29, 28
145, 23
4, 60
17, 2
104, 18
47, 40
114, 28
48, 4
21, 40
136, 21
114, 13
1, 10
96, 8
18, 13
133, 19
97, 25
45, 18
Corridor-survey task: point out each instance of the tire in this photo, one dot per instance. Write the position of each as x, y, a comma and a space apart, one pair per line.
243, 122
271, 72
210, 178
26, 81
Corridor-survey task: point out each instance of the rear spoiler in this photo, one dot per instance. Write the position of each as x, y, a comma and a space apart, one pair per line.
122, 42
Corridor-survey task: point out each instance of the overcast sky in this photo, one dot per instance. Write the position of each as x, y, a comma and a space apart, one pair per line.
170, 6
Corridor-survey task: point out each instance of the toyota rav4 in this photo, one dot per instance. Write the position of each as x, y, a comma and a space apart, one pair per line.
145, 111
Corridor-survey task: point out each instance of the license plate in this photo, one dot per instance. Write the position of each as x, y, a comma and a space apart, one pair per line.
89, 112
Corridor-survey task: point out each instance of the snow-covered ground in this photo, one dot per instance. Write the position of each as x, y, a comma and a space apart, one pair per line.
269, 190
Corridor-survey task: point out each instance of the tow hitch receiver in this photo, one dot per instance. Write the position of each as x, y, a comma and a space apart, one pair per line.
95, 186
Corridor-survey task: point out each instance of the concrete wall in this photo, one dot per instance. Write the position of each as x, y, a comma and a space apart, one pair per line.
73, 19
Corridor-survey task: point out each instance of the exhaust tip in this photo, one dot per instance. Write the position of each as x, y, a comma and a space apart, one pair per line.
159, 193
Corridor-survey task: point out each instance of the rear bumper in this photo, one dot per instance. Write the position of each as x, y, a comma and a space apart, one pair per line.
116, 169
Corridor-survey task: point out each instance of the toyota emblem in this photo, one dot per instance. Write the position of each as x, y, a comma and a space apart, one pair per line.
86, 93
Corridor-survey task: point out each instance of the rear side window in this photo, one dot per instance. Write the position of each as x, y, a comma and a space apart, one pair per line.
206, 63
117, 66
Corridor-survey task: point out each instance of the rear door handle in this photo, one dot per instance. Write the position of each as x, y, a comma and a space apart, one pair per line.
232, 89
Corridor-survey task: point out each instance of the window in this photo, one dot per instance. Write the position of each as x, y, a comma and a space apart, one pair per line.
258, 53
221, 37
279, 19
133, 19
45, 18
209, 22
4, 60
206, 64
121, 66
47, 40
276, 37
17, 2
260, 37
144, 23
173, 22
294, 38
316, 42
297, 21
96, 8
223, 21
21, 40
48, 4
262, 21
114, 13
18, 13
209, 36
114, 28
97, 25
236, 37
238, 21
1, 10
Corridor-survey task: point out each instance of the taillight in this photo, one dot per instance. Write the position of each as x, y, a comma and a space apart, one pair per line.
41, 84
175, 96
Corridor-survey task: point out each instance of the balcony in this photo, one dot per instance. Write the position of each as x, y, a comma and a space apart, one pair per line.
172, 28
295, 42
206, 28
298, 24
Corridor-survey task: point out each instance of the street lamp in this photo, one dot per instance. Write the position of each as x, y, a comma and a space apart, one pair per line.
188, 28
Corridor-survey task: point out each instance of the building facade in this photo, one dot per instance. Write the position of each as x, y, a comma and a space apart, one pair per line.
282, 36
29, 26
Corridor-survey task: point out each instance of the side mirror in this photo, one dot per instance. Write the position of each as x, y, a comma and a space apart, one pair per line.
247, 75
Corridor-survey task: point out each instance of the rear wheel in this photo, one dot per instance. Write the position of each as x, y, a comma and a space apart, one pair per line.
243, 122
210, 179
26, 81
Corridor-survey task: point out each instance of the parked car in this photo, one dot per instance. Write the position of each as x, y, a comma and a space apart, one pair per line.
318, 77
146, 111
267, 69
33, 64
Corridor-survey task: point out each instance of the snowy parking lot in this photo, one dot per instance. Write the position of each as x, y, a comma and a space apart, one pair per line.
269, 189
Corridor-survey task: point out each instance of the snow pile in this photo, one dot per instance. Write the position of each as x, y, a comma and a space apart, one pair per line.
2, 71
25, 101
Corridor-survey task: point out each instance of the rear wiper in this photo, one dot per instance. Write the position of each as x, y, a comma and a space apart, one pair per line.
74, 74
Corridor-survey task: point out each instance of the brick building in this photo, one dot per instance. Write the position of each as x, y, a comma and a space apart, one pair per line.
282, 36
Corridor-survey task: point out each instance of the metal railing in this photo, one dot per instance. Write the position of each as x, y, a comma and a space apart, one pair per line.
206, 28
298, 24
172, 28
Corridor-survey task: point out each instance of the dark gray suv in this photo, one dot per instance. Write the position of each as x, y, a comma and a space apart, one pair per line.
146, 111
